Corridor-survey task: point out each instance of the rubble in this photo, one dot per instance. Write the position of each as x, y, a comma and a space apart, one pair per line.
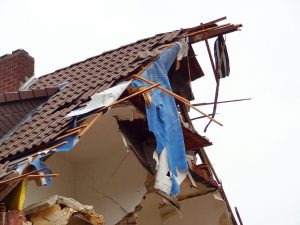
59, 210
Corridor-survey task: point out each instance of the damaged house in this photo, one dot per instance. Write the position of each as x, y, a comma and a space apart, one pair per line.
109, 140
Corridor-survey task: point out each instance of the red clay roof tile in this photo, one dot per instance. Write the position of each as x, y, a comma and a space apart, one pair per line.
83, 79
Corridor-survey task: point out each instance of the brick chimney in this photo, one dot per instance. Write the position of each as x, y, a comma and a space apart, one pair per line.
15, 69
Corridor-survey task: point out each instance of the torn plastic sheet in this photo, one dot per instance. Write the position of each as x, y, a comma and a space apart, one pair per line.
164, 182
162, 116
38, 161
71, 142
102, 99
184, 49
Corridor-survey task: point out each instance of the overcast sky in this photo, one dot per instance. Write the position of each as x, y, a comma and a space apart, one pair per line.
256, 153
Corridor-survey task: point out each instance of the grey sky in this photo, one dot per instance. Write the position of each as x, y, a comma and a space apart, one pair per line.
256, 153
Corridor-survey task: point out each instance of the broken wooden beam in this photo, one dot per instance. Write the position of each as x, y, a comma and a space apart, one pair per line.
99, 111
42, 175
67, 135
200, 117
215, 32
21, 176
238, 215
220, 102
179, 98
206, 25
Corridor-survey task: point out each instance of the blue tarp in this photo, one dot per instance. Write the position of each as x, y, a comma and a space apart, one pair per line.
38, 161
162, 115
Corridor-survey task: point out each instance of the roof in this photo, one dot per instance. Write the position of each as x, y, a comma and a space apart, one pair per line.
26, 95
83, 80
14, 106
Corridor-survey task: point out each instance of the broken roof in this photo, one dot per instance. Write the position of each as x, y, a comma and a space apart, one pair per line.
82, 80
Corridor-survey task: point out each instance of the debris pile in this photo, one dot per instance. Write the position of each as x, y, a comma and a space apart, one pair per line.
59, 210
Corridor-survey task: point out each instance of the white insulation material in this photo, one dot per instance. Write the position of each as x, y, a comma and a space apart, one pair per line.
102, 99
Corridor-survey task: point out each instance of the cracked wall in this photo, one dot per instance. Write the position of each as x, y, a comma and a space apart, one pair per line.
99, 171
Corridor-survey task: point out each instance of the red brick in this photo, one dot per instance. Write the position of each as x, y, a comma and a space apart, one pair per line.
13, 69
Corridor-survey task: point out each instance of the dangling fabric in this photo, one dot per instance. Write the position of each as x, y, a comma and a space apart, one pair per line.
164, 181
221, 57
162, 116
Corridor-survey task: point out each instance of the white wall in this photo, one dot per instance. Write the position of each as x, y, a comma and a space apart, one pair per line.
98, 171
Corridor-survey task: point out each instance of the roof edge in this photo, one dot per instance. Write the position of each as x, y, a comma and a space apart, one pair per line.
26, 95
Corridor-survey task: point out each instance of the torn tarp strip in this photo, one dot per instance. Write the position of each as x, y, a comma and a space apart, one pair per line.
165, 181
38, 163
162, 115
184, 49
102, 99
71, 142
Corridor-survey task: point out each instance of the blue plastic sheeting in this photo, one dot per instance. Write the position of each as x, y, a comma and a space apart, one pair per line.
162, 115
71, 141
38, 162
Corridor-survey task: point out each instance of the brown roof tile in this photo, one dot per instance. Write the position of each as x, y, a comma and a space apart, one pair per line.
14, 106
83, 79
12, 96
2, 98
11, 113
26, 95
30, 94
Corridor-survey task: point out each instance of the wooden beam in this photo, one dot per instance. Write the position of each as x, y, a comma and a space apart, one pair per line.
214, 33
238, 215
76, 128
179, 98
21, 176
99, 111
202, 30
42, 176
67, 135
37, 153
220, 102
200, 117
208, 24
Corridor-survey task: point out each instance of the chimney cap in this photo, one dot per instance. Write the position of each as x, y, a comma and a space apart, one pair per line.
14, 53
20, 50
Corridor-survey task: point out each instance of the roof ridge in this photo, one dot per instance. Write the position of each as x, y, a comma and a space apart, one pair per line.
29, 94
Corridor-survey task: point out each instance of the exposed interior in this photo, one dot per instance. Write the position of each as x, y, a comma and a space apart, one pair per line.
98, 171
112, 168
207, 209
